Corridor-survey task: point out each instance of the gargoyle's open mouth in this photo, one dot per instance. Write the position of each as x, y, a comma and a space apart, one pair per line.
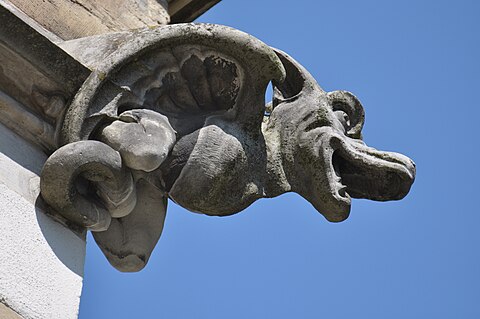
372, 174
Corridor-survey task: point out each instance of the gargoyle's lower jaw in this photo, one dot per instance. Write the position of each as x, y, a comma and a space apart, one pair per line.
322, 187
372, 174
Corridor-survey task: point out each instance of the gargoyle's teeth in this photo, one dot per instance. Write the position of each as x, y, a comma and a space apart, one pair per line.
338, 185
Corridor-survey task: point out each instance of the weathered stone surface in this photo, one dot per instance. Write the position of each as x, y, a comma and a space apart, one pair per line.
133, 135
71, 19
94, 50
72, 171
188, 10
37, 78
41, 265
130, 240
184, 106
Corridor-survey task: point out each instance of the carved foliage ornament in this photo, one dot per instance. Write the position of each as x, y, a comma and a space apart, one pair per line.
179, 113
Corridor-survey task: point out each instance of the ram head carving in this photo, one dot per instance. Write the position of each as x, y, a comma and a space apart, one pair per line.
178, 113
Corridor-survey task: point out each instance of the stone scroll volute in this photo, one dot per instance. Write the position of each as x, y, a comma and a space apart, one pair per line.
178, 112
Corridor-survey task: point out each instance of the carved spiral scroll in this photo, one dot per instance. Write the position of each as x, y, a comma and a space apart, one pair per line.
86, 183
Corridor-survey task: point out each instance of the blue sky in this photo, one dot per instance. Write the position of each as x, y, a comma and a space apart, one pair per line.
415, 67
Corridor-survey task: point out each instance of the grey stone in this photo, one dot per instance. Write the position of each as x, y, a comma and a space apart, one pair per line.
36, 80
70, 19
187, 11
130, 240
134, 134
184, 107
87, 183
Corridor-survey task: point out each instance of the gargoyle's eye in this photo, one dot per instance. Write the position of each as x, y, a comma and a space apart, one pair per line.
343, 118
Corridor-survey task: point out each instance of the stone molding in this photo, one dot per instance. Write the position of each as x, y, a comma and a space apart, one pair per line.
37, 79
182, 11
178, 112
93, 17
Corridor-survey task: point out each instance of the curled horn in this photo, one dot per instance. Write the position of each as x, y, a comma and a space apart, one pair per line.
88, 161
347, 102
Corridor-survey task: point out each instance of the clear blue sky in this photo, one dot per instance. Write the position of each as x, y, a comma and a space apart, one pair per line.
415, 65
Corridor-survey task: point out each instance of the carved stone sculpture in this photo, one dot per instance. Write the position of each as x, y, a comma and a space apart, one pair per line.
178, 112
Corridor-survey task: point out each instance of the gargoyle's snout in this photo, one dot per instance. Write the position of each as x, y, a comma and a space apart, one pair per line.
372, 174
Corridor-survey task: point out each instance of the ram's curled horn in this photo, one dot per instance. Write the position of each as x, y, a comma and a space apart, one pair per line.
80, 171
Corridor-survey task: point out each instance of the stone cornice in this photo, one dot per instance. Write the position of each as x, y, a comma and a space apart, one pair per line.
37, 79
72, 19
102, 17
182, 11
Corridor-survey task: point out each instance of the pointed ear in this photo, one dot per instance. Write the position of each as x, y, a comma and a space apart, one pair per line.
348, 103
297, 81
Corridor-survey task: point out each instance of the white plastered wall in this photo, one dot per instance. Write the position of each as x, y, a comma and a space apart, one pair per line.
41, 261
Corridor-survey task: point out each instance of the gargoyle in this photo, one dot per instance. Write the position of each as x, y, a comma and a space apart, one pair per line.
179, 113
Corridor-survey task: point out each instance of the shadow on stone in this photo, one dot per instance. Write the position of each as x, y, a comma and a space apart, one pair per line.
67, 244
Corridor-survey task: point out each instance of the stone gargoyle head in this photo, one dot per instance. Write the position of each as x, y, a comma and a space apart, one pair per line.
178, 112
